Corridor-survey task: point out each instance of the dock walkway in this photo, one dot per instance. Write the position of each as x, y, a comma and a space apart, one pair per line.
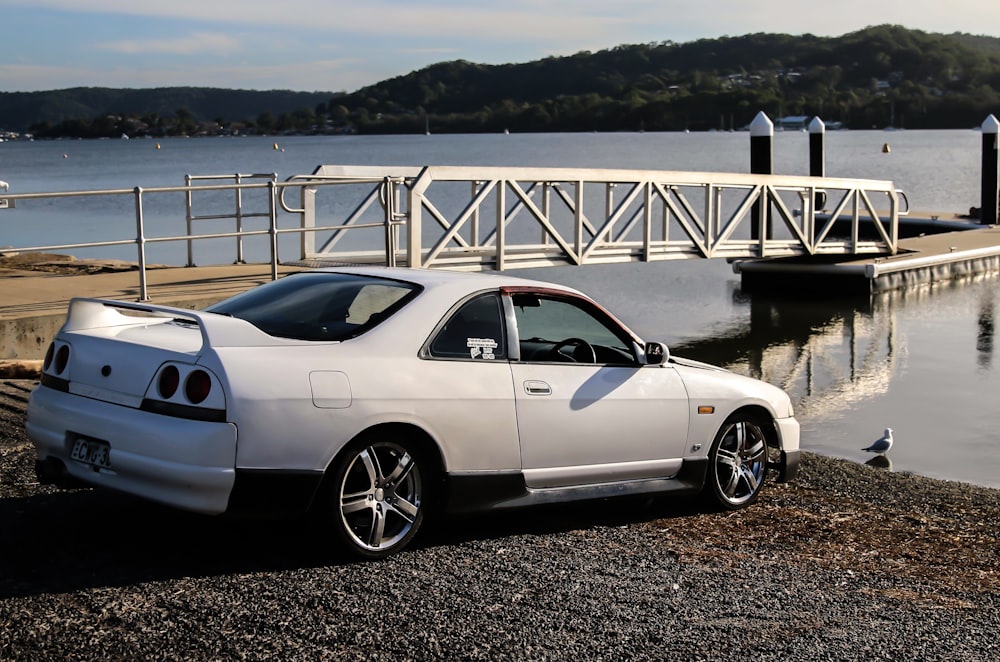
922, 259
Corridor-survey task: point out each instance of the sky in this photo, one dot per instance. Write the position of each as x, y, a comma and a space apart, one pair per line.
334, 46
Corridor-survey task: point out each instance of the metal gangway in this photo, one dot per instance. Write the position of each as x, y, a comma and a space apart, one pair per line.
486, 218
475, 218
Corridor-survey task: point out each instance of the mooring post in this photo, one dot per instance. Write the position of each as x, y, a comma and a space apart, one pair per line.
761, 163
817, 157
991, 173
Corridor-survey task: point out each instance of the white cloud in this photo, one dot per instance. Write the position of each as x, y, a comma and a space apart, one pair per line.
193, 44
513, 21
581, 21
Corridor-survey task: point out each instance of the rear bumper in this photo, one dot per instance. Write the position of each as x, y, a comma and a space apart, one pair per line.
178, 462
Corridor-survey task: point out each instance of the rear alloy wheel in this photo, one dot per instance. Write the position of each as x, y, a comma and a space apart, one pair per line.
737, 463
378, 498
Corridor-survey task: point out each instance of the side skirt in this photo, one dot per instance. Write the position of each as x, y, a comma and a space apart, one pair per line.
273, 493
469, 493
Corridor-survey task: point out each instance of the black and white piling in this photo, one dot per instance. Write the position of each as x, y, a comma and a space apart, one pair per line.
817, 156
991, 172
761, 163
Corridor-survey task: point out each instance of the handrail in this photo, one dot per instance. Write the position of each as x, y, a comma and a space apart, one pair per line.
141, 239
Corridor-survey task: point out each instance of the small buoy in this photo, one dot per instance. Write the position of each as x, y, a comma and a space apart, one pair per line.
65, 156
157, 145
885, 148
275, 145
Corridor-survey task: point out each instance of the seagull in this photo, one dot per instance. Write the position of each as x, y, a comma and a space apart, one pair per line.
882, 444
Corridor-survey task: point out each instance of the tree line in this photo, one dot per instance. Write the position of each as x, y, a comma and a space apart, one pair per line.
874, 77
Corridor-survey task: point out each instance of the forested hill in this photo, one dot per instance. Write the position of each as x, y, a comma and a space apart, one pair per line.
870, 78
110, 111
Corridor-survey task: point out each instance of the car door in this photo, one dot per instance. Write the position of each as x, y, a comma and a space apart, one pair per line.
467, 399
594, 415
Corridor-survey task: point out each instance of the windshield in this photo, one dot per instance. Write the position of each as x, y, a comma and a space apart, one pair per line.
319, 305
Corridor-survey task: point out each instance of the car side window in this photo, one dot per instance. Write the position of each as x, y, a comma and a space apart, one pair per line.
553, 329
475, 331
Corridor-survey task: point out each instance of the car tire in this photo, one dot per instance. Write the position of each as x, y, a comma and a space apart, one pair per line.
737, 463
376, 496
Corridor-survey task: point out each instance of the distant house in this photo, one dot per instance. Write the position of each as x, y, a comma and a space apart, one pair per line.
792, 123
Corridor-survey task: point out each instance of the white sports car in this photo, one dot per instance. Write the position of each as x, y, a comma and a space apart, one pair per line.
377, 397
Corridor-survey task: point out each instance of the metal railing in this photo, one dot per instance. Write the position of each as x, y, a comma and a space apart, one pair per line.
238, 214
476, 218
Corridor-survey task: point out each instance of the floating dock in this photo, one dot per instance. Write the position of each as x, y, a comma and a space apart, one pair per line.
930, 257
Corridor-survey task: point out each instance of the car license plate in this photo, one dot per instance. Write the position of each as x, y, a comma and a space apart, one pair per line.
91, 451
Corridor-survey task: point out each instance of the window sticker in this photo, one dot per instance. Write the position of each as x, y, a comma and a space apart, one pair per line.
481, 347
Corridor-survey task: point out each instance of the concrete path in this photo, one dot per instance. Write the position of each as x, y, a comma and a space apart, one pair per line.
33, 303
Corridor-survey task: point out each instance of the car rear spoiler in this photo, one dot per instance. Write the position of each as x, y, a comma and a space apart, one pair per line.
216, 330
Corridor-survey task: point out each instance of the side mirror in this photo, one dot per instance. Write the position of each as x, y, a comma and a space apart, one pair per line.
656, 353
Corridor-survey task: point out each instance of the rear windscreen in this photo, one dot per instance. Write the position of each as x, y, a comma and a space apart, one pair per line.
319, 306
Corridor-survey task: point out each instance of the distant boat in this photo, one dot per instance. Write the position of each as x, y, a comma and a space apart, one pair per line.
124, 136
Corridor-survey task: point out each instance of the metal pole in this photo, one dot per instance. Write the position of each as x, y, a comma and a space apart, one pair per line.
190, 217
272, 227
239, 220
474, 221
609, 205
140, 241
389, 210
991, 173
761, 163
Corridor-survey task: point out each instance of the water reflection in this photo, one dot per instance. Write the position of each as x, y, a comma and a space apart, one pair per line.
825, 354
880, 462
919, 360
984, 339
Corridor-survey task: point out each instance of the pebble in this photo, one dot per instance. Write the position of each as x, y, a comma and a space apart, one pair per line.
93, 575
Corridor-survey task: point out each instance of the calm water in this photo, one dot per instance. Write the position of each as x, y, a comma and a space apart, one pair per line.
920, 361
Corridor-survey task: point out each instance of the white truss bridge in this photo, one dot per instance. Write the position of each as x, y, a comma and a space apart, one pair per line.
480, 218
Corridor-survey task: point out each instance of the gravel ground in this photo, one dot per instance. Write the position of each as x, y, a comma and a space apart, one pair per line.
848, 562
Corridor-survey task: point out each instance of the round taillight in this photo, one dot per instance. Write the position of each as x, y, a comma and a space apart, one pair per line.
48, 356
170, 379
62, 359
197, 386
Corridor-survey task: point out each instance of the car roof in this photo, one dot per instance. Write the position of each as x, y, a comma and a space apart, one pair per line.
431, 279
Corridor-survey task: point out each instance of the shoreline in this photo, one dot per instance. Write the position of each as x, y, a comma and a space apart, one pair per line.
847, 561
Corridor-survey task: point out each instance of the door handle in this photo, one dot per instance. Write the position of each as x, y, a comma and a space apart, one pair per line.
537, 388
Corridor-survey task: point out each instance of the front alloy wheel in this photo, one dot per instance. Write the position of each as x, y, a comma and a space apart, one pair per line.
737, 463
378, 498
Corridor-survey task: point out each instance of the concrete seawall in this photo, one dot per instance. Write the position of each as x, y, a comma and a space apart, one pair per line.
33, 303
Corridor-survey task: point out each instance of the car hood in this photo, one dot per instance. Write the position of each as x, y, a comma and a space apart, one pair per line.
690, 363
